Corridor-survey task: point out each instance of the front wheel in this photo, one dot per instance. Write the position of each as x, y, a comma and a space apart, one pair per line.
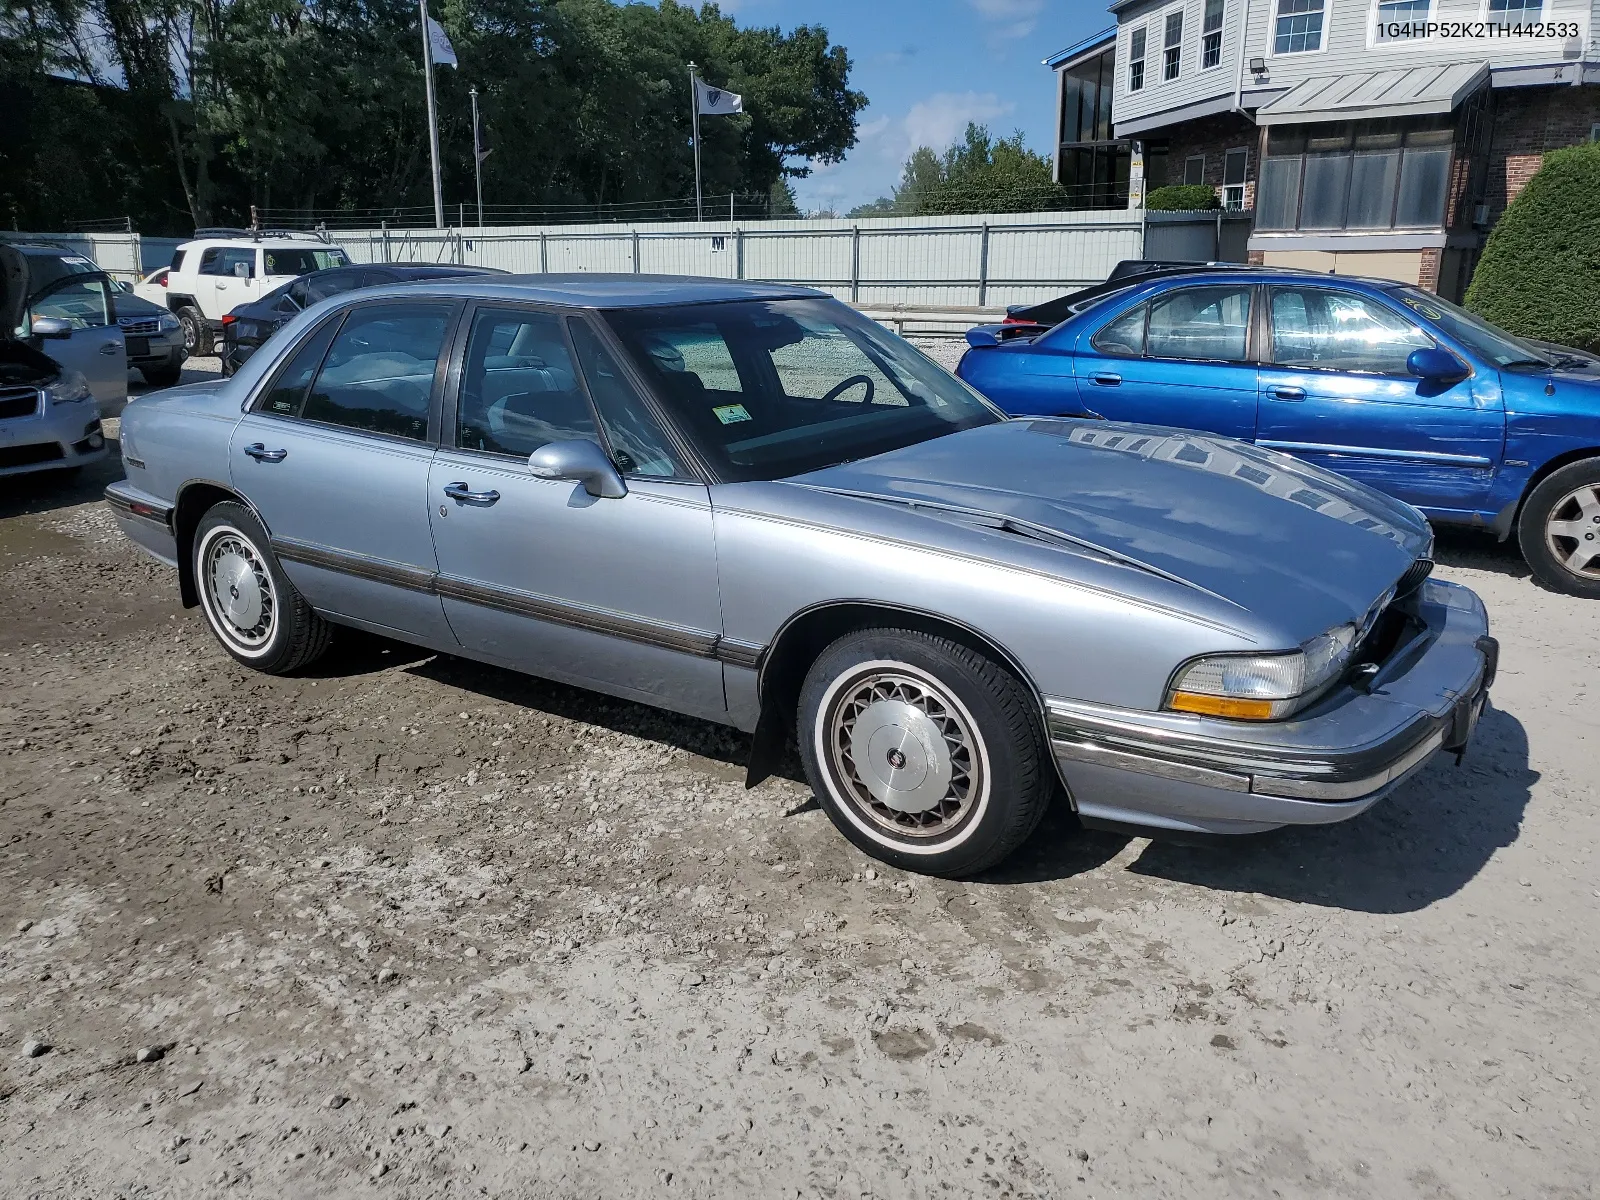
249, 603
196, 332
1559, 530
923, 752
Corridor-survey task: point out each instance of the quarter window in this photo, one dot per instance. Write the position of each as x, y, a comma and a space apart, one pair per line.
519, 390
378, 374
288, 390
1172, 45
1202, 324
1211, 35
1297, 28
1318, 329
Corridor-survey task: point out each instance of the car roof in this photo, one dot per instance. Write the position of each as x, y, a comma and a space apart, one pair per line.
595, 290
1244, 272
277, 243
428, 270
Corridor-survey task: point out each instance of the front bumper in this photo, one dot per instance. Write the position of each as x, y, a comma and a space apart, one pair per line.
1198, 774
53, 438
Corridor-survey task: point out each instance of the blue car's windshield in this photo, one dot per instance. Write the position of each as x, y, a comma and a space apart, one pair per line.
769, 389
1486, 340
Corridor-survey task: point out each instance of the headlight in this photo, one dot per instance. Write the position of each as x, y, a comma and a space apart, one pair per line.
168, 323
71, 388
1261, 687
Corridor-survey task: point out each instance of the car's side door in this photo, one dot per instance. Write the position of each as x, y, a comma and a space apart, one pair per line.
614, 593
1181, 357
93, 343
236, 280
1335, 390
334, 457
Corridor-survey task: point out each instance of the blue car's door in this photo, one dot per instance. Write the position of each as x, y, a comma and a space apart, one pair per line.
334, 456
1181, 358
1335, 391
618, 594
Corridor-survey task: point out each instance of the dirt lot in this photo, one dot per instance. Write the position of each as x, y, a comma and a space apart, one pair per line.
413, 927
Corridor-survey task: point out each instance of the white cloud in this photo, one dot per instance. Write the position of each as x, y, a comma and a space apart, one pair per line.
942, 118
1007, 20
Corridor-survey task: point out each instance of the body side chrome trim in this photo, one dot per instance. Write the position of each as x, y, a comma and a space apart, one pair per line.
1429, 456
157, 512
363, 566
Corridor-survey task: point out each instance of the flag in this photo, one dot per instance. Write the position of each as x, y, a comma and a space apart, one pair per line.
480, 144
444, 54
714, 102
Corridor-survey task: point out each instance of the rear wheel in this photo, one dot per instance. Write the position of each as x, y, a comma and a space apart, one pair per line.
923, 752
196, 332
249, 603
1559, 529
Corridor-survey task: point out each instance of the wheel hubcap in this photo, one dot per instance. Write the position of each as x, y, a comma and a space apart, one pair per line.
904, 753
240, 589
1572, 531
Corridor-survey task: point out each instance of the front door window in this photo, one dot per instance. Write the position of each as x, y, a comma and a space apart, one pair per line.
1327, 330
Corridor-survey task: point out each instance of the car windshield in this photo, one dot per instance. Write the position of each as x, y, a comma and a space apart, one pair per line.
1486, 340
297, 261
770, 389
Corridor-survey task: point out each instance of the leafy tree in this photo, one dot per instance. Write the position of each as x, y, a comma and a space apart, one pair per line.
1182, 197
974, 175
1540, 271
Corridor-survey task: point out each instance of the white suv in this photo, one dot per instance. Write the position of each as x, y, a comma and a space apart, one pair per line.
212, 275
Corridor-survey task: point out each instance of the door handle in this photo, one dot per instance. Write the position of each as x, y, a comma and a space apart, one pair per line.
461, 492
1106, 378
1283, 392
110, 348
261, 454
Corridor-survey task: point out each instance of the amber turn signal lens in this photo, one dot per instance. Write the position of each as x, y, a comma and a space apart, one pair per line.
1222, 706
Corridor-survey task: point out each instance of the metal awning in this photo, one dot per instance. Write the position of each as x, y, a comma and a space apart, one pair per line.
1412, 91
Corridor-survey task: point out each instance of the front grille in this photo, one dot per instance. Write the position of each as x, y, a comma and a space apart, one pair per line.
18, 402
24, 456
140, 325
1412, 579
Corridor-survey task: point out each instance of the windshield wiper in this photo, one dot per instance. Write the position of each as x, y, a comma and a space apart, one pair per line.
1527, 362
1570, 360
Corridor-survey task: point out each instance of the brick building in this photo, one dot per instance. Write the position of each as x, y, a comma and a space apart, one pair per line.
1376, 137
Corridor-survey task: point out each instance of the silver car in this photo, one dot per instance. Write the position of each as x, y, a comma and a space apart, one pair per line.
750, 504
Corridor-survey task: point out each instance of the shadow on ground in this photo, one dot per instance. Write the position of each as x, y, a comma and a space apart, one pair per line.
1478, 550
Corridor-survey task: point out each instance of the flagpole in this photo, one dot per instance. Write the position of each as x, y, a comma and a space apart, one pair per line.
477, 154
694, 110
433, 118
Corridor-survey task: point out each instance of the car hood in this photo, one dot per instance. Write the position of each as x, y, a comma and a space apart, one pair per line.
1260, 530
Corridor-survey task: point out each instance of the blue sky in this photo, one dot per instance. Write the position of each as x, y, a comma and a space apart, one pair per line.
928, 67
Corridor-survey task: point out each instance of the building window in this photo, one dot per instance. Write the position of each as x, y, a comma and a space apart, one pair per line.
1093, 165
1136, 60
1298, 27
1194, 170
1515, 10
1400, 20
1172, 45
1371, 175
1211, 35
1234, 163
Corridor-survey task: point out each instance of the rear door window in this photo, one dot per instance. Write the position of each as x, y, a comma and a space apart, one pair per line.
1200, 324
377, 374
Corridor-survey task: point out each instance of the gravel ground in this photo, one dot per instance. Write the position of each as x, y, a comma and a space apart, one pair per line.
407, 926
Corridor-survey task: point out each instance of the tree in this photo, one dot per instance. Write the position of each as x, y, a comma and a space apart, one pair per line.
1540, 271
973, 175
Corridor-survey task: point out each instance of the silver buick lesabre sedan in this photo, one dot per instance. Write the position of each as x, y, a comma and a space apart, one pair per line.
750, 504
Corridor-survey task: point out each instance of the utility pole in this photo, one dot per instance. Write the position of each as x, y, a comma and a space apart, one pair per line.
433, 117
694, 110
477, 153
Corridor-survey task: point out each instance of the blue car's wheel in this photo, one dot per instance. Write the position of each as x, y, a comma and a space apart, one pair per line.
249, 603
924, 753
1559, 529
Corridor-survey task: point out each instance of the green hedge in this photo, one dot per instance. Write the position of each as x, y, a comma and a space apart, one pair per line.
1540, 271
1182, 197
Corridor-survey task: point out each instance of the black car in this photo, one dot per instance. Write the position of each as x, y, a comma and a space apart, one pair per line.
1125, 274
249, 325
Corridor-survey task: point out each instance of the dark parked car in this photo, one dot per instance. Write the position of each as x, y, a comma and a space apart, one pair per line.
153, 337
1127, 273
249, 325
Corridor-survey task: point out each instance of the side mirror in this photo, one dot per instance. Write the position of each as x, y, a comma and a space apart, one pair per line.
1435, 365
581, 461
57, 329
982, 336
241, 270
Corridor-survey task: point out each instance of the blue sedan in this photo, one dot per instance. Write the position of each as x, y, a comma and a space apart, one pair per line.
1380, 381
